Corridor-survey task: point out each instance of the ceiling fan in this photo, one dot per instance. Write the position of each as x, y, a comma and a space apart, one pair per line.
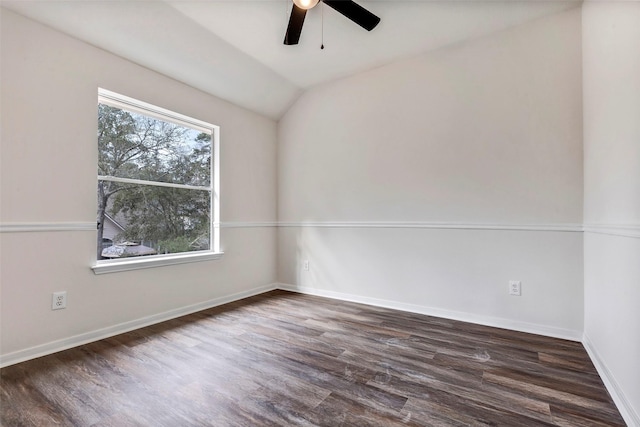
348, 8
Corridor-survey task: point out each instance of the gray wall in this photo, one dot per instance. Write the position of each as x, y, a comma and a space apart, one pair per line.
403, 185
49, 166
611, 46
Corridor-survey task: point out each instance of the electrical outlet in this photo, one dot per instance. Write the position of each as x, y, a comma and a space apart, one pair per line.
515, 287
305, 265
59, 300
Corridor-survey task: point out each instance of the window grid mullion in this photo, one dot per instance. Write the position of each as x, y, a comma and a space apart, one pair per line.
153, 183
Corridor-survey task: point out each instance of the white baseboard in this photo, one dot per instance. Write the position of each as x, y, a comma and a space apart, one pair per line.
613, 387
550, 331
87, 337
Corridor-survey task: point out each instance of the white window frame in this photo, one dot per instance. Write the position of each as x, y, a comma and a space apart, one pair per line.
130, 104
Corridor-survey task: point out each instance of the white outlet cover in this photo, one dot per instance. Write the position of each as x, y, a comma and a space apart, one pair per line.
515, 287
59, 300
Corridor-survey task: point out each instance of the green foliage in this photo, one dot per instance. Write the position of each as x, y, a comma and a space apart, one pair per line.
162, 214
175, 245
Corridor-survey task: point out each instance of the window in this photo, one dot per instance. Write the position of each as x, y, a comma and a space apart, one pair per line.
157, 186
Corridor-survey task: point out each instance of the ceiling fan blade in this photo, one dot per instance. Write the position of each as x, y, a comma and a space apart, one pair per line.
355, 12
295, 25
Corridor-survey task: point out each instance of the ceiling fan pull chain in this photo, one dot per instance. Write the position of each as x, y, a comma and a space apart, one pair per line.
322, 25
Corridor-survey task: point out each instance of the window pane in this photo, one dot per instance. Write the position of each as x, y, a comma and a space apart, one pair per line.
131, 145
147, 220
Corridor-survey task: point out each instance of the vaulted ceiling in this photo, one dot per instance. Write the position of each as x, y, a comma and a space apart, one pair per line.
234, 49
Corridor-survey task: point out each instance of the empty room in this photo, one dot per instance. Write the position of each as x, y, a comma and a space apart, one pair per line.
320, 213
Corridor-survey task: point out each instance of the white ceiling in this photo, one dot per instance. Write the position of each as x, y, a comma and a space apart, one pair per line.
234, 49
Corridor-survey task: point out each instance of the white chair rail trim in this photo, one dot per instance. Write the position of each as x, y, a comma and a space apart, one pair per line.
23, 227
29, 227
624, 230
567, 227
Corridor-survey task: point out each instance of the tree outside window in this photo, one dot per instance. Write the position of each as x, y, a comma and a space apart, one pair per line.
154, 180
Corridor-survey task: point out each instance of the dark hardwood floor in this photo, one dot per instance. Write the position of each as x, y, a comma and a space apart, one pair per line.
283, 359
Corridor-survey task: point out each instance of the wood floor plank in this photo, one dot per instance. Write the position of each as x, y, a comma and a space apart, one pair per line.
444, 409
570, 387
428, 388
285, 359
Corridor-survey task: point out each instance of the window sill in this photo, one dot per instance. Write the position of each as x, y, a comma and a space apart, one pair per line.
114, 266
